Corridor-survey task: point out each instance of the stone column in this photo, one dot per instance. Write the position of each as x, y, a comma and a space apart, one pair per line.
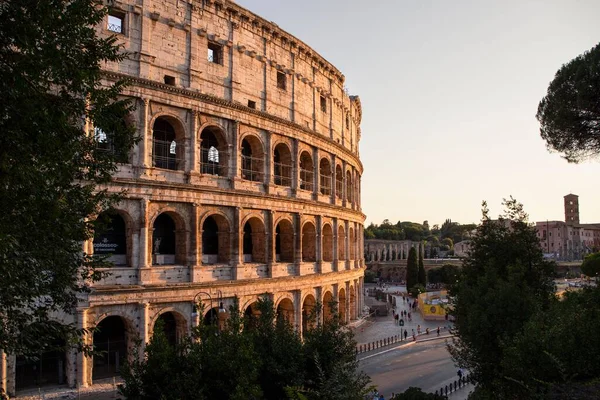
196, 243
83, 362
144, 266
233, 150
268, 161
298, 311
3, 372
344, 184
145, 145
295, 167
194, 145
319, 299
143, 309
236, 253
298, 241
361, 296
348, 317
270, 236
319, 242
347, 244
316, 175
333, 180
336, 256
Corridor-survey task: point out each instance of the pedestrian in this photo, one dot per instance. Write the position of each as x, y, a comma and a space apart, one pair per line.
427, 331
438, 331
460, 373
414, 338
396, 317
405, 334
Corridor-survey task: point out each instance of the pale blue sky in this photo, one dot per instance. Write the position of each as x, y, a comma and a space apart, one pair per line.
449, 91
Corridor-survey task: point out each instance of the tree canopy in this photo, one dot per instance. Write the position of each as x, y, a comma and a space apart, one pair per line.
591, 265
504, 282
412, 269
50, 164
569, 114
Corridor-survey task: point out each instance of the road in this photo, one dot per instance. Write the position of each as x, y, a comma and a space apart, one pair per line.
426, 365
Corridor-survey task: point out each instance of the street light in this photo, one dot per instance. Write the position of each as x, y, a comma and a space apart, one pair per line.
195, 313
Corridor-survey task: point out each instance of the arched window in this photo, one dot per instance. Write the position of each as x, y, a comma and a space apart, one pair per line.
339, 182
252, 159
341, 243
282, 165
111, 239
108, 143
254, 241
110, 347
306, 171
164, 240
349, 190
309, 242
284, 241
325, 176
213, 155
352, 244
327, 243
165, 150
215, 240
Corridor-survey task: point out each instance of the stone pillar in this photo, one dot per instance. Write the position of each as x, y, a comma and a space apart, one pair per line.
298, 311
233, 150
347, 244
11, 374
144, 266
319, 299
336, 256
144, 309
298, 240
194, 167
145, 145
344, 184
3, 372
268, 161
196, 243
361, 297
333, 180
270, 235
319, 242
236, 252
348, 317
295, 167
83, 362
316, 175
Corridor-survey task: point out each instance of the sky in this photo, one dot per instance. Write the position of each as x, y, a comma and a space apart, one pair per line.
449, 92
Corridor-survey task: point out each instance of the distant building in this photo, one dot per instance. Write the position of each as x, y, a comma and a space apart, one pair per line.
568, 240
461, 248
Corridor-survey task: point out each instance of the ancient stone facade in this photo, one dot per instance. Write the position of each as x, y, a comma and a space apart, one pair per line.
246, 181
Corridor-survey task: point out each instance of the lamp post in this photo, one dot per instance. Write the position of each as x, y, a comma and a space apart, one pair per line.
195, 314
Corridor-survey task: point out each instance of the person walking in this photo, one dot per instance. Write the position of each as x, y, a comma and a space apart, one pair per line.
438, 331
419, 329
405, 334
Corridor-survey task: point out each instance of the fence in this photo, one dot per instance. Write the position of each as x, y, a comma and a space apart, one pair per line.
381, 343
453, 387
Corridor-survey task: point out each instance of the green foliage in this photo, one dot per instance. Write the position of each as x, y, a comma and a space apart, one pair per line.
591, 265
503, 283
265, 359
569, 112
50, 79
412, 269
416, 290
370, 276
422, 277
447, 274
557, 348
414, 393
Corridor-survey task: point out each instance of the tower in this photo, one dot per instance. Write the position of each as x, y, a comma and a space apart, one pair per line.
572, 209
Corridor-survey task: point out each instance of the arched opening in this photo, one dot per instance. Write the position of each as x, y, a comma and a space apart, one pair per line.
213, 152
349, 189
284, 241
282, 165
285, 311
254, 241
108, 139
352, 244
309, 313
251, 315
215, 240
174, 327
353, 314
328, 306
357, 189
339, 182
327, 243
48, 368
167, 148
342, 304
111, 239
341, 243
306, 171
252, 159
325, 178
110, 347
309, 241
164, 241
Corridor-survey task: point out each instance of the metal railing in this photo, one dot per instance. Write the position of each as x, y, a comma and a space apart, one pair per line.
325, 184
456, 385
282, 174
339, 187
213, 162
164, 153
306, 179
251, 168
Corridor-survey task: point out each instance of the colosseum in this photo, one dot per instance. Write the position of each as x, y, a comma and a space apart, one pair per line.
246, 181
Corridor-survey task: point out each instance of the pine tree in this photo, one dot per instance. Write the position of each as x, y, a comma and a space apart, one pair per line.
412, 269
421, 275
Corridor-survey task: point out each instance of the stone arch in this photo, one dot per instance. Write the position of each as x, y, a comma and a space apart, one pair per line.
327, 242
49, 368
307, 171
215, 233
251, 315
116, 237
328, 306
252, 155
285, 310
309, 242
341, 237
282, 165
326, 174
309, 312
352, 244
214, 155
253, 240
175, 325
339, 182
113, 343
168, 238
342, 305
284, 241
168, 142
